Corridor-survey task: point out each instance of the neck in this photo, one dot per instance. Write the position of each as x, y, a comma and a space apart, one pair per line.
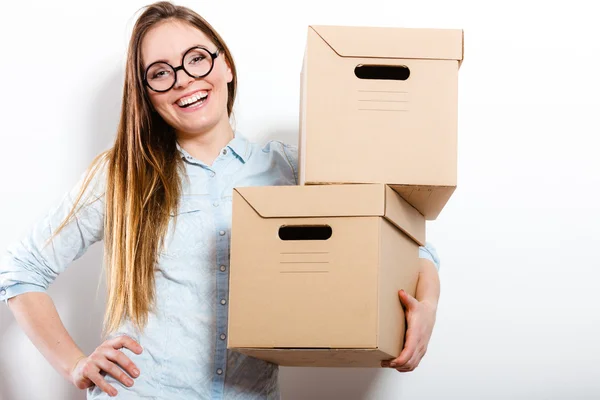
206, 146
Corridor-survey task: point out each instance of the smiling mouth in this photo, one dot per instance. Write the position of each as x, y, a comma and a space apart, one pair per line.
193, 100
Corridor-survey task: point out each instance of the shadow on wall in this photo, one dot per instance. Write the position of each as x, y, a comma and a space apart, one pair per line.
79, 293
104, 113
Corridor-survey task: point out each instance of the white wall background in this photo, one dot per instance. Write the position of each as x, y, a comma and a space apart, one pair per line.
519, 316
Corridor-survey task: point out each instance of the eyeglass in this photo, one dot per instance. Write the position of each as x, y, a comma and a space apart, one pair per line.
197, 62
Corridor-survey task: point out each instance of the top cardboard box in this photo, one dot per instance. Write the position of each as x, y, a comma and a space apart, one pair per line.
379, 105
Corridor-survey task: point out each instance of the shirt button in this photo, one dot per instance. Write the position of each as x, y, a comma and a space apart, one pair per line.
224, 151
222, 233
223, 301
2, 292
223, 336
223, 268
219, 371
216, 204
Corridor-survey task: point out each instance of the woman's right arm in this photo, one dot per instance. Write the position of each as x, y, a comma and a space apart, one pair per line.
30, 265
37, 316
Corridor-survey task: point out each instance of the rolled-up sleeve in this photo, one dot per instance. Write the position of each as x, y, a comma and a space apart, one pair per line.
32, 263
428, 252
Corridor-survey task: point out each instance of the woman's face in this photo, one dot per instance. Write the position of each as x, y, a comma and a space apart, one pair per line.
192, 106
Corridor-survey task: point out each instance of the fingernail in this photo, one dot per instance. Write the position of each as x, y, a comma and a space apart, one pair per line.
113, 392
136, 372
129, 382
392, 364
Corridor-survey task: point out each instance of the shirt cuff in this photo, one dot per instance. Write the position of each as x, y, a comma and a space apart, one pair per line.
20, 288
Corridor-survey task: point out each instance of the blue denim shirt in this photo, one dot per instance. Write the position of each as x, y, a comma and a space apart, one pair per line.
185, 344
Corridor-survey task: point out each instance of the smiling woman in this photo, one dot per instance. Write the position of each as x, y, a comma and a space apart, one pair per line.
177, 96
160, 198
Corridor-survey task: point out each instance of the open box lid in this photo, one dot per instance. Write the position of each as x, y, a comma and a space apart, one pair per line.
405, 43
352, 200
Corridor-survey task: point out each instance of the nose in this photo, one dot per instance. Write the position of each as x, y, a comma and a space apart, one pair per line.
183, 79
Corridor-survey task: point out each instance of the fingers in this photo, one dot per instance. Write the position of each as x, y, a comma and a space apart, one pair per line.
91, 372
127, 342
414, 361
410, 346
114, 371
408, 301
406, 355
123, 361
108, 359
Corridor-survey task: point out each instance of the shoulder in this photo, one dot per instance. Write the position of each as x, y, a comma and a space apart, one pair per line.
278, 157
277, 147
284, 152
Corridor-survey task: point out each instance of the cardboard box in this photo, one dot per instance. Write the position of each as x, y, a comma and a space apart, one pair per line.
315, 273
379, 105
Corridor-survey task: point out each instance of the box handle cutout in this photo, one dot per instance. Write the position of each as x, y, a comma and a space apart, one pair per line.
305, 232
384, 72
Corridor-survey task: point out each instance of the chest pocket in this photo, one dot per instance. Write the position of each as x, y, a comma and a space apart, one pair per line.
189, 233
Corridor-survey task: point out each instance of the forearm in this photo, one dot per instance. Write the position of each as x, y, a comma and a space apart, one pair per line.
428, 285
37, 316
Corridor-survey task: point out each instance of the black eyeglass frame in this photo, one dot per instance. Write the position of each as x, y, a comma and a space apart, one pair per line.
182, 67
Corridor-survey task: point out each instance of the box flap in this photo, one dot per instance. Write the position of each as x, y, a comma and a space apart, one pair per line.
406, 43
404, 216
315, 201
350, 200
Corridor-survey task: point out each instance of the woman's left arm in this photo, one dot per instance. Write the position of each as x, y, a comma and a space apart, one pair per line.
420, 312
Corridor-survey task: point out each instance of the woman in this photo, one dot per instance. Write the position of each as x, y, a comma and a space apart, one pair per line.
160, 199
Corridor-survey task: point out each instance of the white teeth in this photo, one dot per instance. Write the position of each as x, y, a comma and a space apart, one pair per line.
192, 99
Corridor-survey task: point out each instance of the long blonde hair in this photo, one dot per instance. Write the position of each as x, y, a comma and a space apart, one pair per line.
143, 171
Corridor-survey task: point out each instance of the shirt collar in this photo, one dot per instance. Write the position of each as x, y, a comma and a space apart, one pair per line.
238, 145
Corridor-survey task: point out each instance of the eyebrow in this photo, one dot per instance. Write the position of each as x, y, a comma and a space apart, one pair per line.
182, 53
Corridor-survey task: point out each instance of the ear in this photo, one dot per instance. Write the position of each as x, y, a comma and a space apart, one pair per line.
229, 73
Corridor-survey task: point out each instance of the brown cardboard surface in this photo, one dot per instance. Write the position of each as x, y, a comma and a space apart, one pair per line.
338, 293
356, 200
362, 358
397, 132
399, 269
388, 42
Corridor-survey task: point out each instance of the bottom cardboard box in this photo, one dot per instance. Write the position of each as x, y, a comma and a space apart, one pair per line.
315, 273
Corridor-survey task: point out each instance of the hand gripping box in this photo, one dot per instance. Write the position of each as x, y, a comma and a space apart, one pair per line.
315, 273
